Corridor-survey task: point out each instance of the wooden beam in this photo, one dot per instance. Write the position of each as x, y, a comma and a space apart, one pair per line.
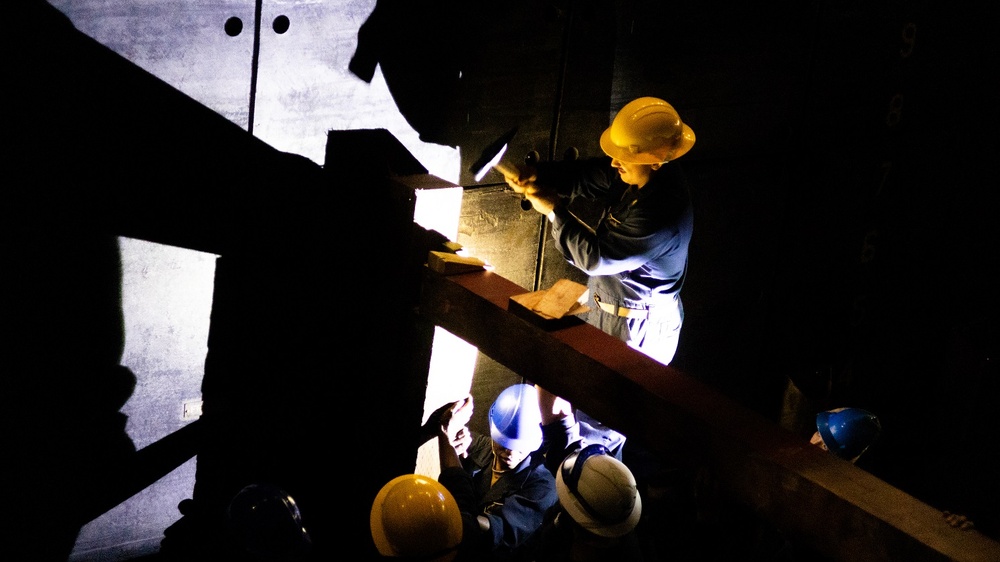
819, 499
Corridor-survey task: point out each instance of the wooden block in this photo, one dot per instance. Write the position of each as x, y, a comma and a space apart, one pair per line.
561, 298
447, 263
526, 305
528, 301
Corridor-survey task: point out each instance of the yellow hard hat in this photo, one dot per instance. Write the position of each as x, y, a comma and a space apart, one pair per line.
647, 131
416, 516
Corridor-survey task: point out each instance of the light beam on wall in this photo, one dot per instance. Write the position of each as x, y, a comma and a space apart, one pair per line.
453, 360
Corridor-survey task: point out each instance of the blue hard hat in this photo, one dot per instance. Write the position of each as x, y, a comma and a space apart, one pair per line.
848, 432
515, 420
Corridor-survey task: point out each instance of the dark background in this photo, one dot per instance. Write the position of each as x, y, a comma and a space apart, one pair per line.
845, 238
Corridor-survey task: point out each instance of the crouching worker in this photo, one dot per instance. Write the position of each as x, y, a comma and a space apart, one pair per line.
599, 504
499, 480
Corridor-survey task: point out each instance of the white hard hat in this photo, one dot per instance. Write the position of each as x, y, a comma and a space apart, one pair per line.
598, 491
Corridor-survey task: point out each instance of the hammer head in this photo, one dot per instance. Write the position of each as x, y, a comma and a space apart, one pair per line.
491, 155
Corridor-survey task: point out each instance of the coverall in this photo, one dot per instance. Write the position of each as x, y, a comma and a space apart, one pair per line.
637, 256
515, 504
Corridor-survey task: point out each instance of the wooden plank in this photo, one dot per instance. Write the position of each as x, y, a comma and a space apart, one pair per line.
779, 475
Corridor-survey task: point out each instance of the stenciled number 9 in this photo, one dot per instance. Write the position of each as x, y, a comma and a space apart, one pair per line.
909, 38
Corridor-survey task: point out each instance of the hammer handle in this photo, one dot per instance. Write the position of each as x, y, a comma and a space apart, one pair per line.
507, 170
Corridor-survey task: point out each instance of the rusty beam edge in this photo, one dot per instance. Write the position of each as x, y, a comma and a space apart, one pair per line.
869, 519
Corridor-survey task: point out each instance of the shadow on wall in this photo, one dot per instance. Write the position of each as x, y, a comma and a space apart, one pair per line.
424, 48
67, 442
462, 73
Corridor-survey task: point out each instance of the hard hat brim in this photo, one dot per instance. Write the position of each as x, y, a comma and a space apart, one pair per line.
823, 427
375, 520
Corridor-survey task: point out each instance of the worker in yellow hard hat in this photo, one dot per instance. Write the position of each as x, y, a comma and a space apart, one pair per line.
636, 256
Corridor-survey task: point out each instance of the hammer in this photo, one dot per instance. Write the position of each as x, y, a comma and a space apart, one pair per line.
491, 158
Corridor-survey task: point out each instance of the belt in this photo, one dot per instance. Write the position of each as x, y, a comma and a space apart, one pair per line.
621, 310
